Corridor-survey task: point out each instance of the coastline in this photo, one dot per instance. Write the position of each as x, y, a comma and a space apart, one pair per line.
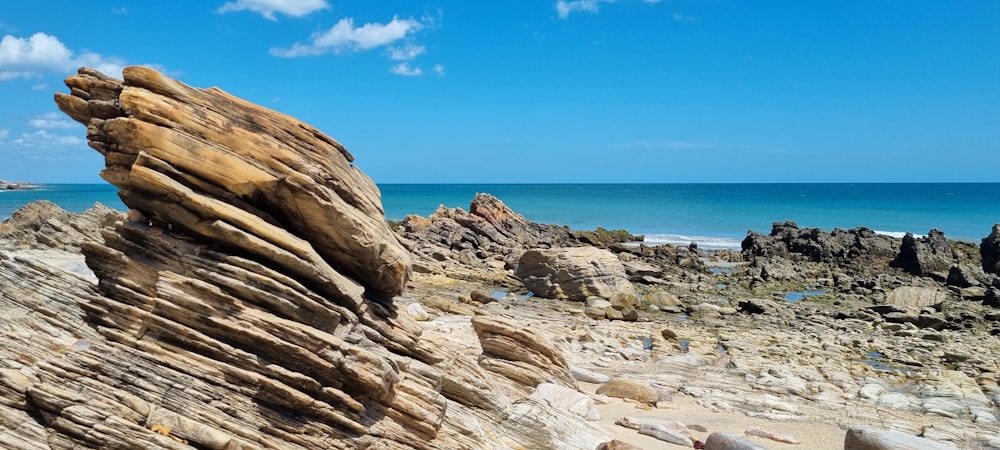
18, 186
677, 214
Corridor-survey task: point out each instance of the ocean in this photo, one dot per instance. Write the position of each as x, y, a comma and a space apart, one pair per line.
713, 215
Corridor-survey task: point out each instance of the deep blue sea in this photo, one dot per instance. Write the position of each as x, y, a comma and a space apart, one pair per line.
714, 215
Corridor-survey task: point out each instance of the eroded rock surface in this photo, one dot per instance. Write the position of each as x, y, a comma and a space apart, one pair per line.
246, 302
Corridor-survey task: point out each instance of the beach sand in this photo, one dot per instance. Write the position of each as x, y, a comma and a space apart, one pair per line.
684, 409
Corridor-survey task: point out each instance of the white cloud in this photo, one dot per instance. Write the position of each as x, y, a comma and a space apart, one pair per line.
404, 68
406, 52
565, 8
345, 37
439, 69
45, 140
42, 53
52, 120
267, 8
4, 133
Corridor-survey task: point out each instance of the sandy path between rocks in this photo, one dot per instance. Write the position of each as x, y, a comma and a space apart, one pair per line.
812, 435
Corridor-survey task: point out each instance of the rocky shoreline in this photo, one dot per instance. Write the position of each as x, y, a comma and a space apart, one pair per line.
17, 186
265, 306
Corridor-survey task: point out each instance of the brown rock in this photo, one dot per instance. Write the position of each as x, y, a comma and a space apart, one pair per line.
640, 391
573, 273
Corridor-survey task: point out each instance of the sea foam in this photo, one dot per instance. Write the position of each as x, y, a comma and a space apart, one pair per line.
704, 242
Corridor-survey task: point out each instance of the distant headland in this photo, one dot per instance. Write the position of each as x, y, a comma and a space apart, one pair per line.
17, 185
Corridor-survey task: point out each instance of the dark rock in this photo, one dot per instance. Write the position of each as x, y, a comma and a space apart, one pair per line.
962, 276
859, 247
992, 297
989, 251
925, 255
604, 238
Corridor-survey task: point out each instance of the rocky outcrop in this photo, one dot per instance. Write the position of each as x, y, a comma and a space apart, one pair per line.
248, 301
489, 238
44, 225
220, 169
989, 250
859, 248
573, 273
16, 185
925, 255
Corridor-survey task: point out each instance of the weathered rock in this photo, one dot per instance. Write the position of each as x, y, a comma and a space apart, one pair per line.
925, 255
617, 445
520, 354
247, 303
573, 273
640, 391
989, 251
963, 276
286, 191
466, 242
856, 247
866, 438
587, 375
728, 441
915, 297
44, 225
566, 399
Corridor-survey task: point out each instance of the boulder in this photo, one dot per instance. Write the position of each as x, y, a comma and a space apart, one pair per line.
925, 255
916, 297
566, 399
989, 251
518, 353
727, 441
640, 391
866, 438
573, 273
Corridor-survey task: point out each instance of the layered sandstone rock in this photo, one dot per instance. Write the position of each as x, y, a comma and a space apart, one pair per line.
573, 273
247, 302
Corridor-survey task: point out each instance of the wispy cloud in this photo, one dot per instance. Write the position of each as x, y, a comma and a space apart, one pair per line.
564, 8
398, 37
404, 68
52, 121
49, 133
406, 52
345, 37
439, 70
267, 8
45, 140
42, 53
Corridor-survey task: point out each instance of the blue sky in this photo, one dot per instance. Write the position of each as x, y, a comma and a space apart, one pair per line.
459, 91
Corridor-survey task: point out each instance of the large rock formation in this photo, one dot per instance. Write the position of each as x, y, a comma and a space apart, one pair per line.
858, 248
573, 273
488, 238
247, 302
989, 249
44, 224
925, 255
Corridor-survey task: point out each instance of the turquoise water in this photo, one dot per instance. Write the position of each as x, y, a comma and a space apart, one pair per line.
714, 215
